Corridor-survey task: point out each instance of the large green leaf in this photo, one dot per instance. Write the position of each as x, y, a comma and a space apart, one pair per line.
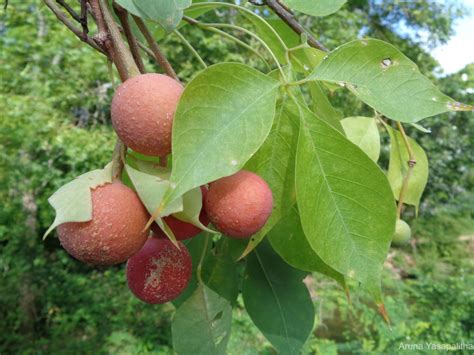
73, 201
363, 132
201, 325
289, 241
315, 7
346, 205
275, 163
220, 269
277, 300
223, 117
398, 168
384, 78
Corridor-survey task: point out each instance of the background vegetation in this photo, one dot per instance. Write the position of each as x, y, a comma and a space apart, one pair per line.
54, 124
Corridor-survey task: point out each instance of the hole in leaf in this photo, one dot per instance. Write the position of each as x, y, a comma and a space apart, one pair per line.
218, 316
385, 63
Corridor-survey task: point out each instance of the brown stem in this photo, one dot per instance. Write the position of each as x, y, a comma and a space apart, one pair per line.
118, 159
122, 15
291, 21
159, 56
411, 165
122, 57
72, 27
70, 10
85, 28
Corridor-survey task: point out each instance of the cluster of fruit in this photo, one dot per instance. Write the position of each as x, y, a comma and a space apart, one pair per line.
157, 271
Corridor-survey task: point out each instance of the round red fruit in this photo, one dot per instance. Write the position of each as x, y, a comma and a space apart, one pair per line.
159, 272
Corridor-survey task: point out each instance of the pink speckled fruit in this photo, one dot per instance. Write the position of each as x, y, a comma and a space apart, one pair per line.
239, 205
183, 230
142, 112
159, 272
115, 232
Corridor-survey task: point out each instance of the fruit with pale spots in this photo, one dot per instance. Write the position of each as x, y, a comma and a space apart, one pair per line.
239, 205
402, 233
142, 112
159, 272
184, 230
115, 232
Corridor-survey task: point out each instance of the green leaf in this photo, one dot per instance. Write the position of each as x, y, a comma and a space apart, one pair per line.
288, 240
315, 7
398, 168
130, 6
220, 269
277, 300
323, 108
73, 201
381, 76
201, 325
275, 163
363, 132
167, 13
346, 205
223, 117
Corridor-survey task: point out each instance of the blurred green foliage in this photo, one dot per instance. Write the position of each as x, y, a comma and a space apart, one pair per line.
54, 124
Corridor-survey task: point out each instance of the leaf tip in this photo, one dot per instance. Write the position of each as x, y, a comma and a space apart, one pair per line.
383, 312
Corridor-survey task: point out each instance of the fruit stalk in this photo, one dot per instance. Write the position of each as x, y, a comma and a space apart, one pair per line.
411, 164
160, 58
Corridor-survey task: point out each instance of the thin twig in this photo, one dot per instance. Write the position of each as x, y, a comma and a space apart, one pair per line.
72, 27
190, 47
201, 259
159, 56
191, 21
70, 10
122, 15
291, 21
85, 28
411, 164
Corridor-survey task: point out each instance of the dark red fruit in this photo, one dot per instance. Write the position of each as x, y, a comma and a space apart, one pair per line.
183, 230
115, 232
159, 272
239, 205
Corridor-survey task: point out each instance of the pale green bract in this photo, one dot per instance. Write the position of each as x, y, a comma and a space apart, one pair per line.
381, 76
363, 132
398, 168
223, 117
73, 201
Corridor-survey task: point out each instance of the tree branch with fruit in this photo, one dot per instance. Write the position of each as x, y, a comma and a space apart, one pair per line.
265, 174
